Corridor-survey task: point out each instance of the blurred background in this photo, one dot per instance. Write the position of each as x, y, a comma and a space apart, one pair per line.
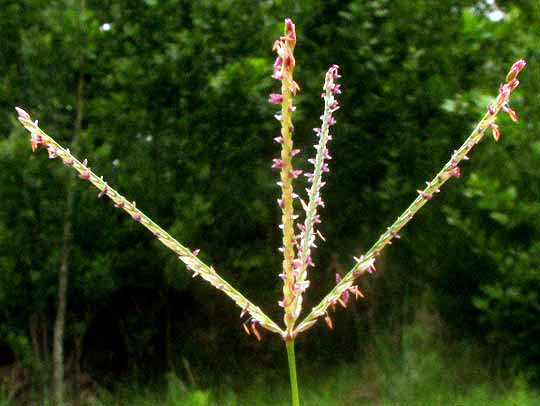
168, 101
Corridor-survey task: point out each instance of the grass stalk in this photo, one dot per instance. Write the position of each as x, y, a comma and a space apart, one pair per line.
188, 257
294, 272
450, 169
295, 397
283, 71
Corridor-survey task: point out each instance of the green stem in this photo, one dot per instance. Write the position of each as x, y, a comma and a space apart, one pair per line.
295, 398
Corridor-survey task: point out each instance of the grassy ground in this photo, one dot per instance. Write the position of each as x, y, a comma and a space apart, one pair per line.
342, 389
348, 385
423, 373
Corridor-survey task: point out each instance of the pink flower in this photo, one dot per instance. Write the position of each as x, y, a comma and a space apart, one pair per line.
275, 98
329, 322
245, 310
35, 140
513, 115
22, 113
515, 69
455, 171
345, 295
254, 329
336, 89
518, 65
495, 131
333, 72
295, 173
301, 286
278, 68
52, 152
290, 29
103, 191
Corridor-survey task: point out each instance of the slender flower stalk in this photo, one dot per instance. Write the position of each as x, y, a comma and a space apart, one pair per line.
450, 169
283, 71
193, 263
295, 398
308, 233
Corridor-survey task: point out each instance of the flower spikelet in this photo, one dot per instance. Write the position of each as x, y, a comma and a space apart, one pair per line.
190, 258
283, 71
308, 233
503, 99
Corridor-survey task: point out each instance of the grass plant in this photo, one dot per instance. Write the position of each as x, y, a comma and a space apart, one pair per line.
442, 377
299, 238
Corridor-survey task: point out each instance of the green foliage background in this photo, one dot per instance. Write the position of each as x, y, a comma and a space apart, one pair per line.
176, 117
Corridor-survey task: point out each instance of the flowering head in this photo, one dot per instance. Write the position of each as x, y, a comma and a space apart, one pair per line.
285, 62
290, 31
35, 137
503, 99
283, 71
515, 69
22, 113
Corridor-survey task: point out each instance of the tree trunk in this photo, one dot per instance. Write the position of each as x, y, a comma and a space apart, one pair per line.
168, 335
77, 354
63, 274
40, 351
58, 335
